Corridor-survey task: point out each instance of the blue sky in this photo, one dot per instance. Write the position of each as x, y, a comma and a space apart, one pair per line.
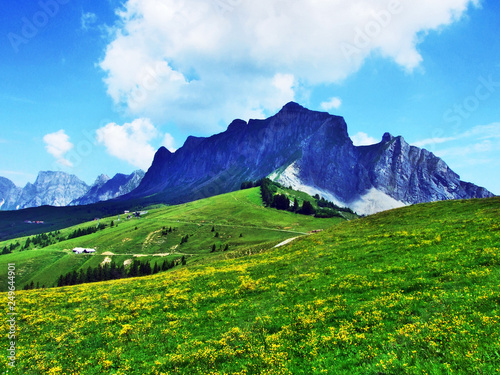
93, 87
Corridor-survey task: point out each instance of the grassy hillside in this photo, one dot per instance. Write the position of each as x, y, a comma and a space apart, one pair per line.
409, 291
238, 219
12, 223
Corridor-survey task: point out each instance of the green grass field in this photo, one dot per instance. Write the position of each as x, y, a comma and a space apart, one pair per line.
408, 291
239, 218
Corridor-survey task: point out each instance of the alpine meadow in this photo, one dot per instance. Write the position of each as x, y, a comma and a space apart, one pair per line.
236, 187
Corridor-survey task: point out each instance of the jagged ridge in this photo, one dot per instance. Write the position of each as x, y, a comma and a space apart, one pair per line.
310, 151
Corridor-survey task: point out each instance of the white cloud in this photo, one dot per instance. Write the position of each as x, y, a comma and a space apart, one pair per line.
130, 142
433, 141
87, 20
191, 63
333, 103
479, 132
363, 139
169, 142
57, 144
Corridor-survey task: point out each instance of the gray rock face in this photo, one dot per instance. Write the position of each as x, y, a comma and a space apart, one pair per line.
413, 175
51, 188
312, 152
105, 188
9, 194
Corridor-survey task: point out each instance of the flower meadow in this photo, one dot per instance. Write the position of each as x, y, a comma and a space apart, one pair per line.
408, 291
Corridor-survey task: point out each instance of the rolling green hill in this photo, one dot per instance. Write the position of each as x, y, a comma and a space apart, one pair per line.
238, 220
408, 291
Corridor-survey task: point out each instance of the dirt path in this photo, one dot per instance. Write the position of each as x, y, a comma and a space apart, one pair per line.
286, 242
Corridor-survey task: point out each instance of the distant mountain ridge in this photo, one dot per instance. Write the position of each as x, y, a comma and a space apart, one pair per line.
310, 151
63, 189
106, 188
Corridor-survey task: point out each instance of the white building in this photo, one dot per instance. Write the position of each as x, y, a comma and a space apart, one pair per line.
80, 250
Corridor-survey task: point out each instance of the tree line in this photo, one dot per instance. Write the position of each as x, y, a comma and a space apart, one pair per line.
271, 198
112, 271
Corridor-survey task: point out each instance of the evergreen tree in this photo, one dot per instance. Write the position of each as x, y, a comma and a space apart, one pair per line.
134, 269
82, 277
281, 202
183, 260
147, 269
295, 205
112, 271
90, 275
307, 208
213, 249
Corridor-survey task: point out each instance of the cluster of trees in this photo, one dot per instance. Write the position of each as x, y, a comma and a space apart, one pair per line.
250, 184
267, 190
322, 202
43, 240
32, 286
80, 232
8, 249
38, 241
46, 239
221, 248
166, 231
112, 271
270, 197
185, 239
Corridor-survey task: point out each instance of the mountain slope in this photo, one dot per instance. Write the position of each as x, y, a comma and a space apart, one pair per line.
408, 291
310, 151
9, 194
239, 220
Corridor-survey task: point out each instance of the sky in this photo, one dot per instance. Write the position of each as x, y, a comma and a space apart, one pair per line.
92, 87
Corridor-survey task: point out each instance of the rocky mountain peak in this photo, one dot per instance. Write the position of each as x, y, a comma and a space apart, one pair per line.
236, 125
293, 107
310, 151
387, 137
101, 179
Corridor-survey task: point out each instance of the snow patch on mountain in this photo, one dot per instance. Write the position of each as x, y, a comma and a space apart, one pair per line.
290, 177
374, 201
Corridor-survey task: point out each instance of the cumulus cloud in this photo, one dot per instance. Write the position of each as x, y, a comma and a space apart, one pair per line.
57, 144
130, 142
169, 142
333, 103
363, 139
201, 65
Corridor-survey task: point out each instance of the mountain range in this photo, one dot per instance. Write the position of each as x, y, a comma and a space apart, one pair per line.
307, 150
63, 189
310, 151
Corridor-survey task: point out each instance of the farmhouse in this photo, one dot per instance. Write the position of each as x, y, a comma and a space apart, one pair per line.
80, 250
